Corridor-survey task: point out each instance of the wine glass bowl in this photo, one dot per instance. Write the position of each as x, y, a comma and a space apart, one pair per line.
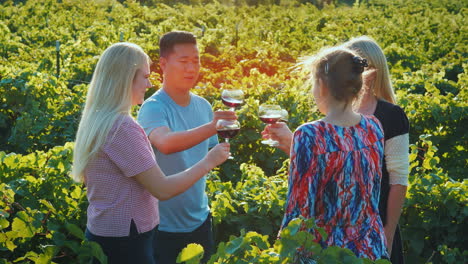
284, 115
227, 129
232, 98
270, 114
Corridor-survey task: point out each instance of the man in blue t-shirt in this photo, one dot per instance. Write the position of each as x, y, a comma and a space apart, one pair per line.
181, 127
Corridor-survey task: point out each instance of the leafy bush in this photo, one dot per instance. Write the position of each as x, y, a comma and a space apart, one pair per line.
435, 210
252, 247
254, 203
42, 215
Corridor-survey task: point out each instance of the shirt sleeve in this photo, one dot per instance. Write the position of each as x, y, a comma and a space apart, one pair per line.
207, 108
397, 159
152, 115
213, 140
129, 148
397, 147
398, 122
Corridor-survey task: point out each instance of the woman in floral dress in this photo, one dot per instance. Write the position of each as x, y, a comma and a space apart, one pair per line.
336, 162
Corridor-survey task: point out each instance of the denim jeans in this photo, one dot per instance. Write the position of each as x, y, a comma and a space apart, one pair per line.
168, 245
135, 248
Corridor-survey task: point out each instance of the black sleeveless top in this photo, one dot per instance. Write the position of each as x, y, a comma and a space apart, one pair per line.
395, 123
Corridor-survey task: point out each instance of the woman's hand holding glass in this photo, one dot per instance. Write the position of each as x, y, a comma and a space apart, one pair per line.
281, 133
217, 155
271, 114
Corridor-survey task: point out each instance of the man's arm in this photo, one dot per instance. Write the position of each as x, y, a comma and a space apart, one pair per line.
169, 142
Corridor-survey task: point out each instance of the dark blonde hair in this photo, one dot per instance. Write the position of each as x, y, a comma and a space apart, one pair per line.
368, 48
340, 69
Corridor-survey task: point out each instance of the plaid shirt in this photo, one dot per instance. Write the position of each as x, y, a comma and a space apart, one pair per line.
115, 197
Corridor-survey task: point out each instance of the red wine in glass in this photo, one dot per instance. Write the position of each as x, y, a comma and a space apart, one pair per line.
232, 98
270, 119
228, 133
231, 102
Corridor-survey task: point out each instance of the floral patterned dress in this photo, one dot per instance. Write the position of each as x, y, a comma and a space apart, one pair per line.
334, 177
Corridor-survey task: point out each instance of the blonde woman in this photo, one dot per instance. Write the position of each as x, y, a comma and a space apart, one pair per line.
113, 157
378, 99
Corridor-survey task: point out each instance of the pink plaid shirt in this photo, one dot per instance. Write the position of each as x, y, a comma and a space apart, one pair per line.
115, 197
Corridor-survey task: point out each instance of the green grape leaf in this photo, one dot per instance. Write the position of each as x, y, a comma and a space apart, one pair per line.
191, 254
4, 223
75, 230
22, 228
234, 245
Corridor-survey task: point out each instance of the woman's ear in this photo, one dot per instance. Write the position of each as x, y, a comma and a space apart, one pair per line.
323, 89
368, 78
321, 95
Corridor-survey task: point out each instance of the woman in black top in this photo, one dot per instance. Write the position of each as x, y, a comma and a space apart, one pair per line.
378, 99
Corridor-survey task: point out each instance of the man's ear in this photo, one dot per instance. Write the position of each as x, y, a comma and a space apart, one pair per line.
162, 63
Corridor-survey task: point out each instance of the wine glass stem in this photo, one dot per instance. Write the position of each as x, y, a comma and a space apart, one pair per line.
269, 136
230, 156
232, 108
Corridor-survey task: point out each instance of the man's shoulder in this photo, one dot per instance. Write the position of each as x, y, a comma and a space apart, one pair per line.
156, 96
156, 100
200, 100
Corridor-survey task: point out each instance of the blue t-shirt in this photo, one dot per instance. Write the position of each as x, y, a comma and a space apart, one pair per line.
188, 210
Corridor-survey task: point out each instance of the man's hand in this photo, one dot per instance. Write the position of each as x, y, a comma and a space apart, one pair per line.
227, 115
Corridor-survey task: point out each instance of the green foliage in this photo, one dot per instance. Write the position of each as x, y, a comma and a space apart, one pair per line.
252, 247
42, 216
444, 116
38, 111
191, 254
248, 204
435, 210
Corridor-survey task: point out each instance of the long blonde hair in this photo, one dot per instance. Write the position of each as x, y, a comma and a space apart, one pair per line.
109, 97
368, 48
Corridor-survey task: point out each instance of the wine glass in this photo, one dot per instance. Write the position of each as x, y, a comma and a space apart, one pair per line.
232, 98
269, 114
284, 115
227, 129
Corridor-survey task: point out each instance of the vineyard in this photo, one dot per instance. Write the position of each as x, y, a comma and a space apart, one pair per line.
49, 48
